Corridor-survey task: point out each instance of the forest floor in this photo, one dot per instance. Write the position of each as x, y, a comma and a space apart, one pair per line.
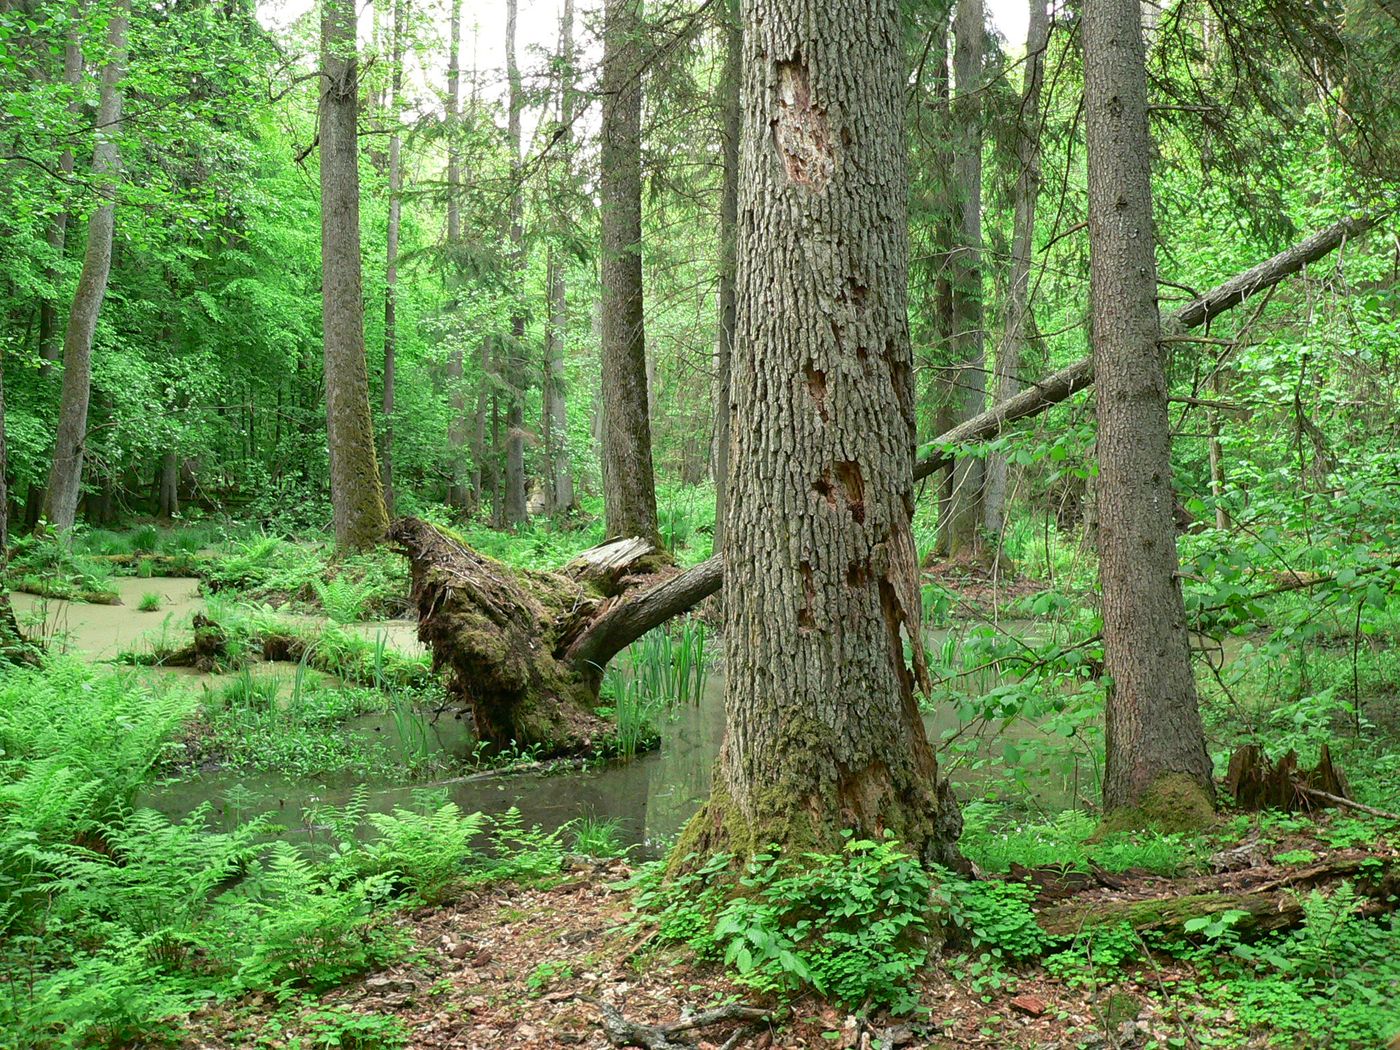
526, 969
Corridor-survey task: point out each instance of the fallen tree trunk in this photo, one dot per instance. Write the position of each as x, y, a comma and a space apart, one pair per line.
525, 650
1059, 386
1266, 899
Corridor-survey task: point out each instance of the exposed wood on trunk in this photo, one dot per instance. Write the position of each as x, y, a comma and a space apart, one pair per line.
822, 738
1058, 386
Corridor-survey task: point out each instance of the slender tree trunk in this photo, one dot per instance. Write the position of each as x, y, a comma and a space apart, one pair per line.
357, 497
4, 484
823, 732
728, 220
1017, 317
66, 476
168, 504
629, 488
391, 262
50, 337
457, 427
556, 414
515, 510
480, 471
969, 31
1217, 456
1157, 768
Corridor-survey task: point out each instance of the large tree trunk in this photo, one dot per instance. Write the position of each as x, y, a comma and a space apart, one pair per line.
1017, 316
1157, 767
961, 511
50, 336
728, 221
168, 496
822, 730
556, 413
391, 261
357, 496
629, 488
66, 476
515, 512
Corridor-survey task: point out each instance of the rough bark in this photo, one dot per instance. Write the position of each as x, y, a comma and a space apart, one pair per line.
357, 498
50, 337
822, 729
728, 221
391, 260
1156, 752
1016, 317
515, 512
66, 476
629, 488
962, 509
1058, 386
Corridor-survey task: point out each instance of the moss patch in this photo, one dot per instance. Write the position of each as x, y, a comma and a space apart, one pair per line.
1174, 803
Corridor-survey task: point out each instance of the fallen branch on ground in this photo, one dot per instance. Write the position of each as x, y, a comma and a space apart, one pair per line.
622, 1032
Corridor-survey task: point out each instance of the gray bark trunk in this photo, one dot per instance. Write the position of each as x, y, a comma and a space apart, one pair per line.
515, 512
168, 504
357, 498
822, 731
391, 261
1156, 751
629, 488
962, 508
66, 476
50, 336
457, 427
1017, 315
556, 412
728, 221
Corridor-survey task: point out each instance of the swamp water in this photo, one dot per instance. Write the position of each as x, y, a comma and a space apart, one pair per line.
650, 797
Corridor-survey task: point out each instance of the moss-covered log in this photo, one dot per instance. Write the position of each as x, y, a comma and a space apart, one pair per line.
1265, 900
525, 650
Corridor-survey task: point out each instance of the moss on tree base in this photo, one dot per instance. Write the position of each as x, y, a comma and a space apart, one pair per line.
1174, 803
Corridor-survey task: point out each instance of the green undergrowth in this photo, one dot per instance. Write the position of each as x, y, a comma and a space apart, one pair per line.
116, 923
253, 631
308, 576
864, 926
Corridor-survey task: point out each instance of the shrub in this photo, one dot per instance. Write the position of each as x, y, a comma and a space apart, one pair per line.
853, 925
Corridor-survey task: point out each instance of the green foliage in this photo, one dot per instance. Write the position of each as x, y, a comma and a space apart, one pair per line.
1331, 981
150, 602
1070, 839
852, 925
52, 566
341, 1028
995, 916
593, 837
